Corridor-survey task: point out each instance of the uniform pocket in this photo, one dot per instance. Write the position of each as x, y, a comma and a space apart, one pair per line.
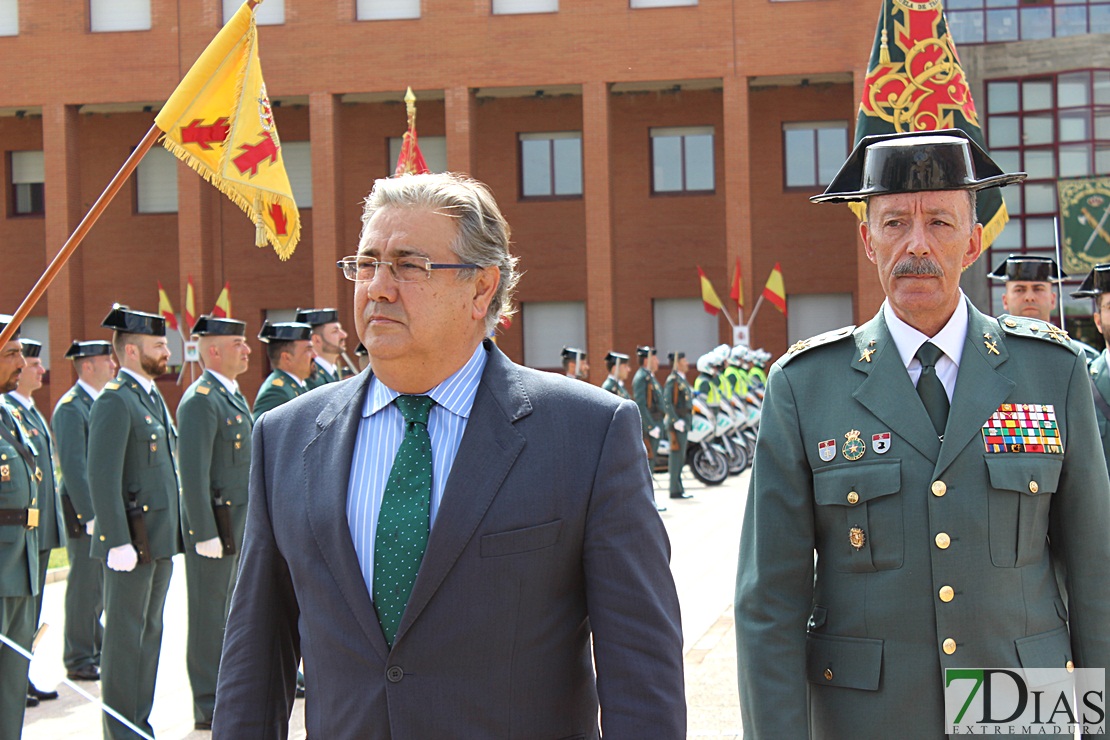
1018, 506
847, 662
859, 512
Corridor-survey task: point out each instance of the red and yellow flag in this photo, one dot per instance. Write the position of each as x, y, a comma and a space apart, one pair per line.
222, 309
166, 308
219, 122
190, 305
410, 161
737, 291
775, 290
710, 301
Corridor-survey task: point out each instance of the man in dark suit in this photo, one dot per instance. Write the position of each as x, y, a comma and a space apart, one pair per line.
943, 465
472, 536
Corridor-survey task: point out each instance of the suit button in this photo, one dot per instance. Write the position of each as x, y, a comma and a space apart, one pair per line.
943, 541
946, 594
828, 674
1033, 487
853, 497
949, 646
102, 538
395, 674
939, 488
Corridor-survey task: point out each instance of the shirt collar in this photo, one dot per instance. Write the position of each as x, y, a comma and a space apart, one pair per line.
456, 393
950, 338
146, 383
330, 368
231, 385
293, 377
93, 392
25, 402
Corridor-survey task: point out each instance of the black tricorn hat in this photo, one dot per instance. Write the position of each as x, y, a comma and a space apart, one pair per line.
6, 319
1096, 283
77, 350
645, 350
360, 350
674, 357
31, 348
1028, 268
285, 331
122, 318
316, 316
213, 325
571, 353
614, 357
886, 164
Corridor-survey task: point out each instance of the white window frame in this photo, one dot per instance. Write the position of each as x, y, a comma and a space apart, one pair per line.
27, 168
386, 10
298, 165
682, 325
156, 183
434, 149
660, 3
561, 183
548, 326
112, 16
833, 159
269, 13
683, 133
518, 7
810, 314
9, 17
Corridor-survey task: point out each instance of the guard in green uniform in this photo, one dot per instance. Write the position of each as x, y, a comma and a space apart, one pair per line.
575, 364
50, 529
19, 544
137, 529
678, 404
941, 463
618, 371
362, 357
648, 395
289, 347
84, 602
328, 343
215, 425
1097, 287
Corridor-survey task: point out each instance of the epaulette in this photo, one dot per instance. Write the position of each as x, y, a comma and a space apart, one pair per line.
203, 390
112, 386
807, 344
279, 382
1021, 326
69, 397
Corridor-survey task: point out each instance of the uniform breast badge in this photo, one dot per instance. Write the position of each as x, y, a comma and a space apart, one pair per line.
880, 443
857, 537
5, 473
854, 447
1023, 427
827, 449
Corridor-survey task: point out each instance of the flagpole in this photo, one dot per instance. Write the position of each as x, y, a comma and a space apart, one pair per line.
755, 310
1059, 271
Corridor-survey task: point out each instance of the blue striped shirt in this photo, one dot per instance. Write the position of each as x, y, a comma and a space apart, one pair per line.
380, 432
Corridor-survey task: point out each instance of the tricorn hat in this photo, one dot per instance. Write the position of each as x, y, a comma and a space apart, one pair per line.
6, 319
675, 356
213, 325
121, 318
1096, 283
316, 316
613, 358
1028, 268
573, 353
77, 350
645, 350
887, 164
285, 331
31, 348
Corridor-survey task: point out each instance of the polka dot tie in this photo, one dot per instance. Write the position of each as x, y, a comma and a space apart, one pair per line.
402, 534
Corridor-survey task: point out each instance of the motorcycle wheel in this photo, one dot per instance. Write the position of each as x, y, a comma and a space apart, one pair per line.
708, 465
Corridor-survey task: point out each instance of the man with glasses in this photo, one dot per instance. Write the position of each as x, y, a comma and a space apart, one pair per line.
455, 577
289, 347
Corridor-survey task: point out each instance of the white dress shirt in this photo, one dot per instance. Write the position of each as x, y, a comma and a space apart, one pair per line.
950, 339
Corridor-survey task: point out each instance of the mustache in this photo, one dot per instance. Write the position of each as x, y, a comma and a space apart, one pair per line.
917, 266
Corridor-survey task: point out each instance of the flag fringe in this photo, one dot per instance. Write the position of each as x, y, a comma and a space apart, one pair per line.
994, 227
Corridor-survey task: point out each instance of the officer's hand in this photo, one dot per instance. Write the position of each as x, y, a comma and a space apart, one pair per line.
654, 433
123, 558
89, 527
212, 548
680, 426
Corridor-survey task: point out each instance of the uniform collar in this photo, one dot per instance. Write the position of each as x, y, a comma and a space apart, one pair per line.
146, 383
950, 338
231, 386
93, 392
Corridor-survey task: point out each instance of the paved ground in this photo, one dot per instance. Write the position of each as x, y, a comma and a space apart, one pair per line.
704, 535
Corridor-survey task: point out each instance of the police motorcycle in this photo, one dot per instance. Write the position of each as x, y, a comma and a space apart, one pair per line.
705, 453
728, 420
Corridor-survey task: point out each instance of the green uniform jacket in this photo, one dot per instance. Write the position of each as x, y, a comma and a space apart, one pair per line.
215, 458
930, 554
51, 529
278, 388
319, 376
131, 455
615, 387
648, 395
19, 546
678, 400
71, 431
1100, 374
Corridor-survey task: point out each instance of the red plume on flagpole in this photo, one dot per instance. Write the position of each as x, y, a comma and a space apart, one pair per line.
410, 161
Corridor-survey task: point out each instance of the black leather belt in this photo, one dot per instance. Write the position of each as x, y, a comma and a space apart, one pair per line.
28, 518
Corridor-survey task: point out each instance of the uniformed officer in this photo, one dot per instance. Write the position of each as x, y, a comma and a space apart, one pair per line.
575, 364
678, 404
215, 424
50, 529
328, 343
1097, 287
618, 371
289, 347
362, 357
137, 529
19, 544
84, 602
648, 395
886, 448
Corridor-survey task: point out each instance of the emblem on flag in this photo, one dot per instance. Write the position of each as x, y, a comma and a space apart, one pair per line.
827, 449
1023, 427
880, 443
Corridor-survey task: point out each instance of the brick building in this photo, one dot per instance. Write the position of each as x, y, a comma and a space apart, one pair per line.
628, 141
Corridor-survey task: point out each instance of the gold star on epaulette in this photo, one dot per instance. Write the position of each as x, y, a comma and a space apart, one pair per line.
798, 346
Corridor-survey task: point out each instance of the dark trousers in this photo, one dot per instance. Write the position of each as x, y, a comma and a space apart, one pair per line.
210, 582
84, 604
676, 460
17, 622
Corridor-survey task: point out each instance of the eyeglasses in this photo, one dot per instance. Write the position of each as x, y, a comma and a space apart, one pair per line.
403, 270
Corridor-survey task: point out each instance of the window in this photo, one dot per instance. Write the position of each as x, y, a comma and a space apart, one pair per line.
509, 7
386, 10
660, 3
996, 21
682, 325
813, 152
28, 190
156, 183
551, 164
434, 149
298, 165
119, 15
9, 17
548, 327
682, 159
269, 13
38, 329
816, 313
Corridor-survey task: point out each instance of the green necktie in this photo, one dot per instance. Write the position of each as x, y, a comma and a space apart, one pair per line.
930, 389
402, 533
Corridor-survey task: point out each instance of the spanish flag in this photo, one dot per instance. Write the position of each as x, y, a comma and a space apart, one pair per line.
710, 300
410, 161
190, 305
222, 309
737, 291
166, 308
219, 122
775, 290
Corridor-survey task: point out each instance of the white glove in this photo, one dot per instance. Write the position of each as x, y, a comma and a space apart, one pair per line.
212, 548
123, 558
680, 426
654, 433
664, 449
89, 527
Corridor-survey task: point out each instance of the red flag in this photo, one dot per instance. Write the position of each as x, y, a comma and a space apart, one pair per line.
775, 290
165, 308
410, 161
222, 309
737, 292
710, 301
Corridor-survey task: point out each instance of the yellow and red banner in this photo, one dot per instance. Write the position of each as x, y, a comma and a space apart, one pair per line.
709, 298
775, 289
190, 305
219, 122
736, 293
166, 308
410, 161
222, 310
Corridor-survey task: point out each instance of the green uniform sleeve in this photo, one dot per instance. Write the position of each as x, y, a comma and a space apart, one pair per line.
198, 423
71, 440
109, 428
639, 395
272, 396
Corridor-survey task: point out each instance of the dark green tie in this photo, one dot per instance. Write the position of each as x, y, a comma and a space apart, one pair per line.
402, 533
929, 387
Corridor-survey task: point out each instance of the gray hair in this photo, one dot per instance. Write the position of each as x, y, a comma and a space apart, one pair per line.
483, 232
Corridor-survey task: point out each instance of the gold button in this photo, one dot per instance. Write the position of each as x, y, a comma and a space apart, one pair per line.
154, 436
949, 646
943, 541
828, 674
853, 497
1033, 487
238, 436
1070, 666
102, 538
939, 488
146, 508
191, 532
946, 594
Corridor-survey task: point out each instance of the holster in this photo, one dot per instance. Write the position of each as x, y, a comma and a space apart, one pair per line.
74, 528
222, 513
136, 525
